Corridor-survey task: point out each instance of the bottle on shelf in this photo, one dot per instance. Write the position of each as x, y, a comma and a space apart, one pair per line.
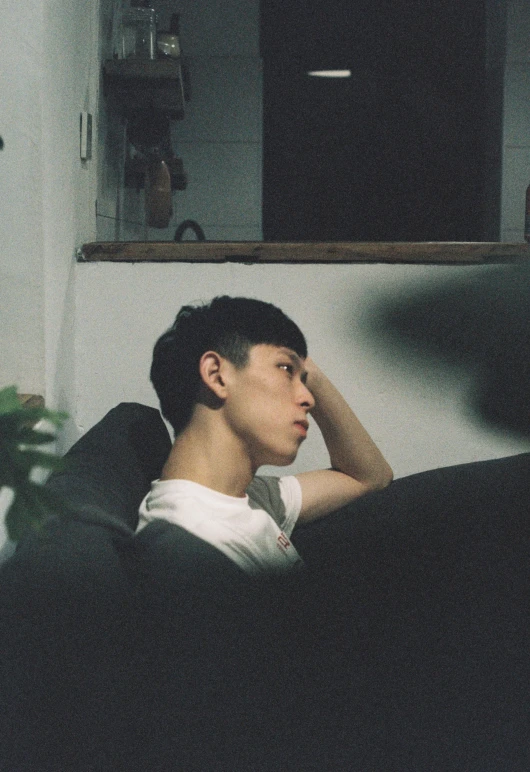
138, 33
158, 205
168, 43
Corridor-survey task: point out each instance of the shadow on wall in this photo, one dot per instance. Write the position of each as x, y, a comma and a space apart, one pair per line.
480, 323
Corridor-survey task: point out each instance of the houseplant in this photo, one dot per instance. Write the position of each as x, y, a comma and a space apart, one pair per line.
24, 501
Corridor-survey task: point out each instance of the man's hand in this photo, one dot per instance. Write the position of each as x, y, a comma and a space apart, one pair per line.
358, 466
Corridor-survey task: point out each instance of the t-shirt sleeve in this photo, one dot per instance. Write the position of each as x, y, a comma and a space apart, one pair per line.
280, 497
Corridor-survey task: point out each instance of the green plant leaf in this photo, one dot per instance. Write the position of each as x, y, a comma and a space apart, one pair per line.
19, 455
29, 436
44, 459
28, 511
9, 401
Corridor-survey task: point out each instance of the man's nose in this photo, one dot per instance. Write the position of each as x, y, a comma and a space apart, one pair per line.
306, 398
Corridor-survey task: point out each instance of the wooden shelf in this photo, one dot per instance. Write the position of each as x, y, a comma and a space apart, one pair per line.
144, 84
31, 400
436, 252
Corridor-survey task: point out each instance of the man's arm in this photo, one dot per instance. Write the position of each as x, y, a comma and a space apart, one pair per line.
357, 464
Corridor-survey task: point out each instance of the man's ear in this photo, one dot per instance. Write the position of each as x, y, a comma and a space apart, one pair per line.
212, 369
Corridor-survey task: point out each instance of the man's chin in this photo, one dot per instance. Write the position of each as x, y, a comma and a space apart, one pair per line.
282, 459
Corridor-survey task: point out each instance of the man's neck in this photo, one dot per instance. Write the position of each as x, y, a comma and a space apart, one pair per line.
211, 458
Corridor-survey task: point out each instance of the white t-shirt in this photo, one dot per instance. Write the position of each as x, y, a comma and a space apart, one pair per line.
253, 530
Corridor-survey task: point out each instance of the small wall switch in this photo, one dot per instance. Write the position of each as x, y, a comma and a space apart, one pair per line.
85, 129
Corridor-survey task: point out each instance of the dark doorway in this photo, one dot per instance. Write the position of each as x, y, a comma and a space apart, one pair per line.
395, 152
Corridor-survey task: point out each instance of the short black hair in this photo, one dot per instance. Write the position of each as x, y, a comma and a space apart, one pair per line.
229, 326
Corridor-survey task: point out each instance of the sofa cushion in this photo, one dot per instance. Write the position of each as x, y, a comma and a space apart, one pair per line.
433, 515
110, 468
420, 597
68, 642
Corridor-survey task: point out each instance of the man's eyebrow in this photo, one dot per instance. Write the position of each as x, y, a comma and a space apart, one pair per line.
297, 361
293, 356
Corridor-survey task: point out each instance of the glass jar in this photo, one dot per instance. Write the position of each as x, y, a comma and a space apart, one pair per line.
138, 38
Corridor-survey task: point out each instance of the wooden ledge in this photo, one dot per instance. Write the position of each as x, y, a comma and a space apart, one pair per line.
248, 252
31, 400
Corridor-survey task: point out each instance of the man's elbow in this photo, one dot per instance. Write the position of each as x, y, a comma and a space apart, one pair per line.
381, 479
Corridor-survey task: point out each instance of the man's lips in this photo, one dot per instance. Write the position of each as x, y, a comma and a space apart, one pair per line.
303, 426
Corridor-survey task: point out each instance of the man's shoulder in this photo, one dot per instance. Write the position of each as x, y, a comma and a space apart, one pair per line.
275, 495
264, 493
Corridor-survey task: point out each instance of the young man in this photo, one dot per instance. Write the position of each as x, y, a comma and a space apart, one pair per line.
235, 382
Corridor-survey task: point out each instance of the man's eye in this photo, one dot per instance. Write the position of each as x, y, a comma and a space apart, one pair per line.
288, 368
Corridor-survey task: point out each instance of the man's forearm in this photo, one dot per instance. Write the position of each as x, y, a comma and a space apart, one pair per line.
351, 449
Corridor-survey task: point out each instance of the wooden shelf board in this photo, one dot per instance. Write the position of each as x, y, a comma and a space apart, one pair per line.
143, 69
144, 85
436, 252
31, 400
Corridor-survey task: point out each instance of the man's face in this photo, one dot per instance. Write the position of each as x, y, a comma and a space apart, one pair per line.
268, 404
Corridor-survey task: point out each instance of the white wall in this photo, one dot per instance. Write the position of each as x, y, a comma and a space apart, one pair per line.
49, 74
21, 213
70, 84
417, 408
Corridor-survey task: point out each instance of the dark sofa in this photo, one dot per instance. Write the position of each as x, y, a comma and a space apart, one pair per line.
404, 647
